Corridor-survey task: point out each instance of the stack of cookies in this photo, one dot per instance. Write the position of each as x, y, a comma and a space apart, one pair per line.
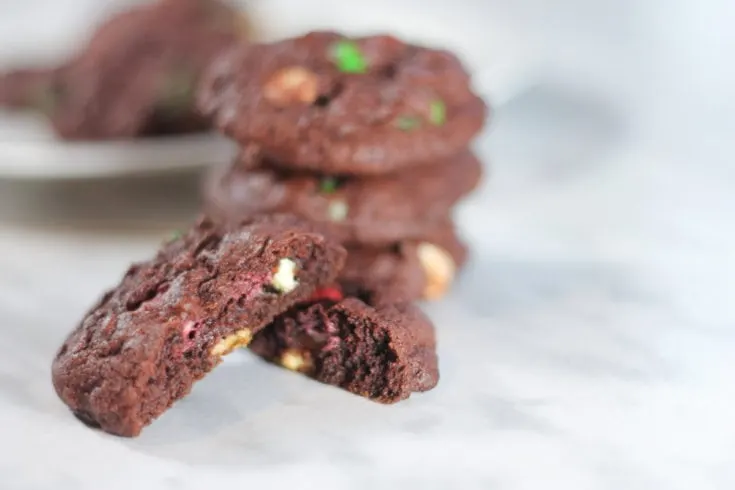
333, 219
366, 137
266, 282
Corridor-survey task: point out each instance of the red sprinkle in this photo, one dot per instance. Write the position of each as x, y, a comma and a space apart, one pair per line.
332, 293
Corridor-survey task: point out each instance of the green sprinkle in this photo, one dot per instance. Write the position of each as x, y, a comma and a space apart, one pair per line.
328, 185
437, 112
408, 123
175, 235
348, 57
338, 210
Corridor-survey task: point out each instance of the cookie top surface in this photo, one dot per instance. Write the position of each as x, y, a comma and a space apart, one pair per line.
176, 276
200, 274
377, 210
139, 71
334, 104
171, 319
379, 350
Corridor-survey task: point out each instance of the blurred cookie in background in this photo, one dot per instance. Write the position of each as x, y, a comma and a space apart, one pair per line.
136, 76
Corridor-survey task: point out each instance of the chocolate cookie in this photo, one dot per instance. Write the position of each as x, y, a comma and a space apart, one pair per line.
408, 270
138, 74
25, 88
380, 351
370, 211
337, 105
171, 319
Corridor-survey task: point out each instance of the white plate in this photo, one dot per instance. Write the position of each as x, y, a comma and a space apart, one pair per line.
29, 150
500, 57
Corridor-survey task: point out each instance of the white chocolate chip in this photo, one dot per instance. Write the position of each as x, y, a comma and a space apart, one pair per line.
338, 210
292, 85
295, 360
240, 338
438, 267
284, 279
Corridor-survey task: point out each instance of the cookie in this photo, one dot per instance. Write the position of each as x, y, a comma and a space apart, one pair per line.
171, 319
408, 270
138, 73
371, 211
384, 352
339, 105
24, 88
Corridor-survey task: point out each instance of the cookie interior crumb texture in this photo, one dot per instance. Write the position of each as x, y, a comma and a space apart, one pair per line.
383, 352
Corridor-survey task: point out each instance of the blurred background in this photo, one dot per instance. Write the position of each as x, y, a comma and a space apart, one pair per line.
608, 201
579, 74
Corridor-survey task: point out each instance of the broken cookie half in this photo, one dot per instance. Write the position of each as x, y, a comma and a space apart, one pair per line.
171, 319
374, 349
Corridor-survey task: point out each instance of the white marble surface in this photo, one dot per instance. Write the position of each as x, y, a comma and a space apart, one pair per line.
589, 345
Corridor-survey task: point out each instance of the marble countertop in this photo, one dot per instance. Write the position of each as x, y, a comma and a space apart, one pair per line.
588, 345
